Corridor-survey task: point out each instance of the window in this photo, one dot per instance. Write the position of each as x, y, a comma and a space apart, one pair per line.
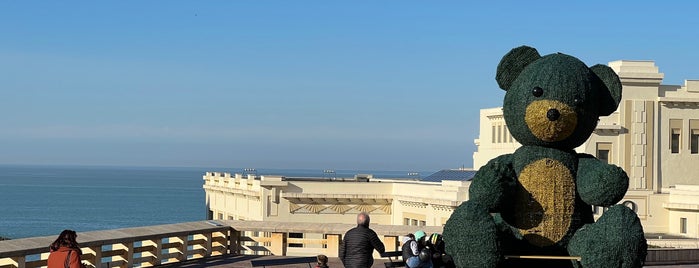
604, 151
694, 136
414, 222
675, 141
499, 134
603, 156
683, 225
295, 235
220, 216
423, 223
675, 135
406, 221
493, 134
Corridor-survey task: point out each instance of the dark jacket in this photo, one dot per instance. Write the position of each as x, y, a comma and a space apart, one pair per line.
357, 248
407, 249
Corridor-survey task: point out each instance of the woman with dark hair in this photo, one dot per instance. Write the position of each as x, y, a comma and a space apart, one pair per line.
65, 251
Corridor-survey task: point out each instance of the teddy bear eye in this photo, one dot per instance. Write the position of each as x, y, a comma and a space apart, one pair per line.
537, 92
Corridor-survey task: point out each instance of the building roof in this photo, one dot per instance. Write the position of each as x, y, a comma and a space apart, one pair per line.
451, 175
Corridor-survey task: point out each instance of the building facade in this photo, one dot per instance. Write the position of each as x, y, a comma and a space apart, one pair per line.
653, 136
336, 200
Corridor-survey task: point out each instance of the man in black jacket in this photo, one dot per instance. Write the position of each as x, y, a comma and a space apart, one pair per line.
359, 243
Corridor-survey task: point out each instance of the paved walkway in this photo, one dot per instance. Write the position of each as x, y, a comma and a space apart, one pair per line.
244, 261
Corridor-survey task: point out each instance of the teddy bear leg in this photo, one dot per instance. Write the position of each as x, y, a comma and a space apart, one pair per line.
470, 237
615, 240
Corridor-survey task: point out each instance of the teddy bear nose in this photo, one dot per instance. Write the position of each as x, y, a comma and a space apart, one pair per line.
553, 114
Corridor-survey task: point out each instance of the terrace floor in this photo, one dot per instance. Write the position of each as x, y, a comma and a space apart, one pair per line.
244, 261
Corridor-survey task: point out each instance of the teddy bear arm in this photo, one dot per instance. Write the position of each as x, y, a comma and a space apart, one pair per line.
599, 183
494, 183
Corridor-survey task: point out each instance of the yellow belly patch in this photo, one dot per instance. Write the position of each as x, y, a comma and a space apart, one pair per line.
544, 205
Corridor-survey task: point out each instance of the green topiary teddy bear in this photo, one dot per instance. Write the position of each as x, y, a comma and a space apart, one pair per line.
537, 201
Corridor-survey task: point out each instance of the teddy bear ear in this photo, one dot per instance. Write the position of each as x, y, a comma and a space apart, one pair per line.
512, 64
610, 90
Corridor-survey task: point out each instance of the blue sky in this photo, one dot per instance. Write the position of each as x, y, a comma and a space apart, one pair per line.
388, 85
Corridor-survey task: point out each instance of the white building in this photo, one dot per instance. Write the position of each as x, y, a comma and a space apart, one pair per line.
427, 202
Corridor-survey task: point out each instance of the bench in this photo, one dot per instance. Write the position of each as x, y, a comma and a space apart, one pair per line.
393, 262
284, 261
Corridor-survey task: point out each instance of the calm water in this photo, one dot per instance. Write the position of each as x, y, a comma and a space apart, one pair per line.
44, 200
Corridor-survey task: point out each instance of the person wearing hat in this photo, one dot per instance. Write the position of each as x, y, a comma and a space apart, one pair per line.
440, 259
414, 252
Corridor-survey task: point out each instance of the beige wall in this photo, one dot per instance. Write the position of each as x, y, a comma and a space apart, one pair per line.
683, 202
494, 137
678, 168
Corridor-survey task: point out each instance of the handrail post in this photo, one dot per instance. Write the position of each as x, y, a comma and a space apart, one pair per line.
390, 242
183, 248
234, 242
158, 241
156, 252
96, 260
128, 246
208, 246
20, 261
278, 246
333, 242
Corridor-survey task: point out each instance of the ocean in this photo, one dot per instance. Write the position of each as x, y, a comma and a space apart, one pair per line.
44, 200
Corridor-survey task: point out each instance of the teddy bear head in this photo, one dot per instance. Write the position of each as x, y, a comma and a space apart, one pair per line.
555, 100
